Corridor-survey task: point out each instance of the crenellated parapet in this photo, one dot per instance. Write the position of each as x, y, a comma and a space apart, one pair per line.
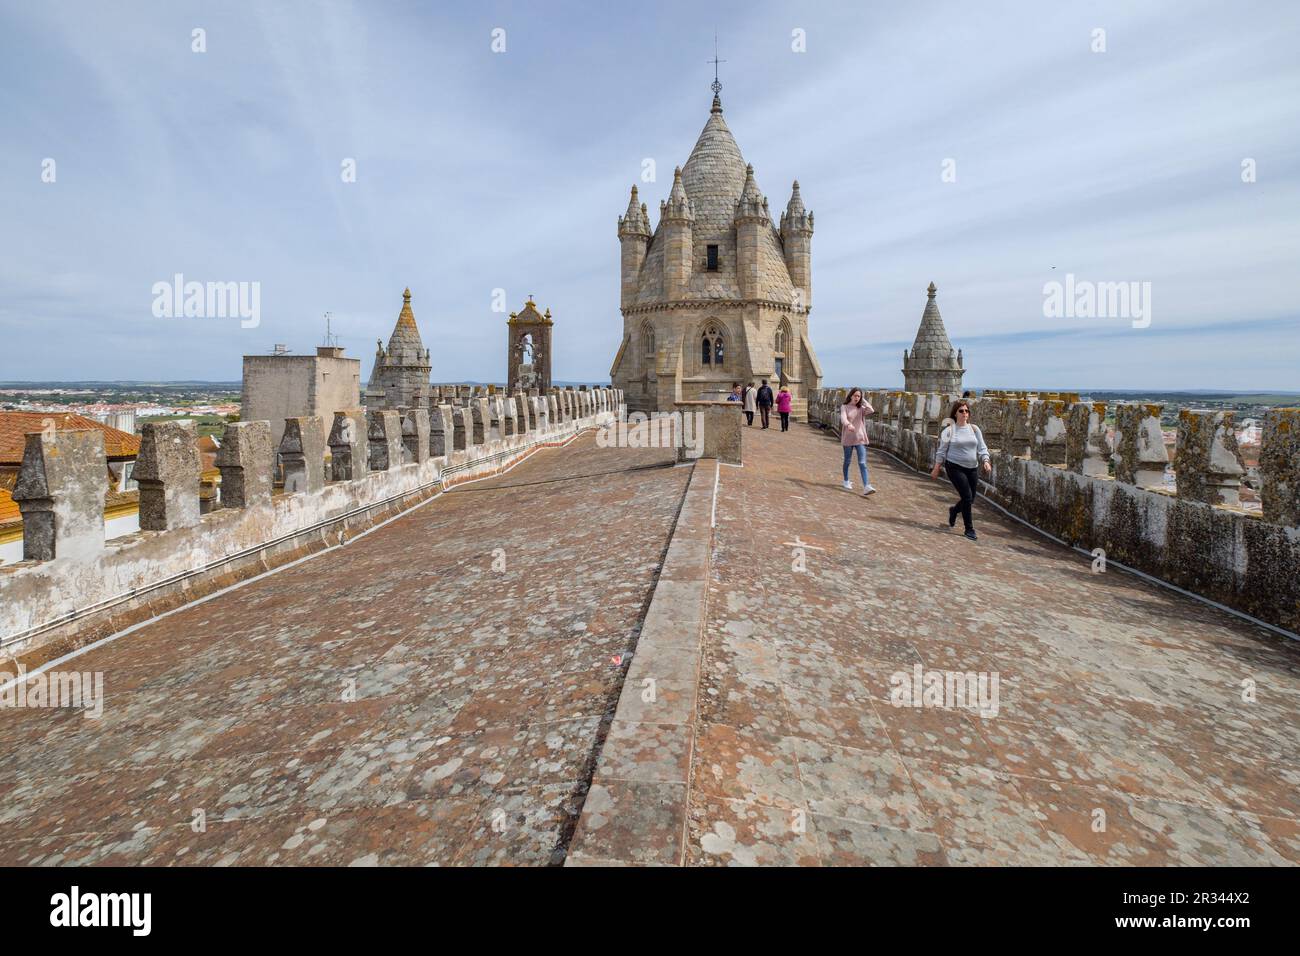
302, 455
1047, 423
1088, 449
1207, 462
247, 465
1279, 466
415, 435
349, 446
60, 492
1052, 457
1140, 454
167, 472
368, 467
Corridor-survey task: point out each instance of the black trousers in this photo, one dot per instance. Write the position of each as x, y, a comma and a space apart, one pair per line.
785, 421
764, 411
749, 418
965, 480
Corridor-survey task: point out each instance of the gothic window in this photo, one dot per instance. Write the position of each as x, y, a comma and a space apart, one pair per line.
711, 351
782, 337
712, 261
648, 342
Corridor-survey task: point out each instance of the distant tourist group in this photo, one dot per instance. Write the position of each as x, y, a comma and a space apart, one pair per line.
761, 400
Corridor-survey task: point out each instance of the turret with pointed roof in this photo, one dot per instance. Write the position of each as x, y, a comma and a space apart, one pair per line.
400, 377
933, 365
716, 294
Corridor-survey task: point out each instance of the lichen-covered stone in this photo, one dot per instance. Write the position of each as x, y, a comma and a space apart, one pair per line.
384, 432
415, 435
1207, 463
1279, 466
441, 426
1047, 423
1140, 455
246, 461
60, 492
167, 471
302, 454
1087, 449
349, 445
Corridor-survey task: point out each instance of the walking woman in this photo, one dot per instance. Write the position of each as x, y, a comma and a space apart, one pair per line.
853, 436
747, 400
961, 450
783, 402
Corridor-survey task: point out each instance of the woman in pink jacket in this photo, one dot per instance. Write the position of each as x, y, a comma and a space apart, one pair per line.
783, 402
853, 435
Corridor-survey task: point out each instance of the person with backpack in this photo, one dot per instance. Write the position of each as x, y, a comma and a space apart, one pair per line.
961, 453
783, 402
764, 399
853, 436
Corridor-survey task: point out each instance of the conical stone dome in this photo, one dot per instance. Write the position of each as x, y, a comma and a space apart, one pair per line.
713, 179
933, 365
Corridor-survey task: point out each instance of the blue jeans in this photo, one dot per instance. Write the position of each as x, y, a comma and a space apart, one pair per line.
862, 462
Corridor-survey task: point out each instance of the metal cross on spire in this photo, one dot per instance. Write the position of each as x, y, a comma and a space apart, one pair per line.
715, 86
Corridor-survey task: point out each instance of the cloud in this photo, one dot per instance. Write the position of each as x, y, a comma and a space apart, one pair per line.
479, 171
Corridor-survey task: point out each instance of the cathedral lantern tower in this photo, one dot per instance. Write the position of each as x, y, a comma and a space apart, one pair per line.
716, 293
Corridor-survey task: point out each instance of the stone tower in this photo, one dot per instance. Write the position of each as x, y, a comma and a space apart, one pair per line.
933, 365
400, 378
716, 293
529, 359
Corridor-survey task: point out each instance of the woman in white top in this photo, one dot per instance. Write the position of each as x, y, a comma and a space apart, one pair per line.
961, 449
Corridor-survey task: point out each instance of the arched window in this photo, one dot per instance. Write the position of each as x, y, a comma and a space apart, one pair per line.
780, 350
711, 349
648, 342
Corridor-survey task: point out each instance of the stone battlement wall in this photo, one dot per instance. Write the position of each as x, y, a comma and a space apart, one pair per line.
1055, 467
73, 588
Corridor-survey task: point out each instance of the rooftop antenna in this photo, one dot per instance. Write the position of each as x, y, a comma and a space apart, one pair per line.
279, 349
715, 85
331, 340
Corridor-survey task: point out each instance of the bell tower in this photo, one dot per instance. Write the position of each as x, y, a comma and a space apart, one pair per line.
528, 359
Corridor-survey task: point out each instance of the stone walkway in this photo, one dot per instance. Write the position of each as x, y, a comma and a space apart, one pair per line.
437, 692
476, 640
1121, 735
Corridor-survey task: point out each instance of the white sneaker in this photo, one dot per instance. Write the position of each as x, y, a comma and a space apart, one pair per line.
848, 486
868, 491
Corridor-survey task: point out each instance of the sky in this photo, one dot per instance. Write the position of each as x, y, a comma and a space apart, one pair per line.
989, 148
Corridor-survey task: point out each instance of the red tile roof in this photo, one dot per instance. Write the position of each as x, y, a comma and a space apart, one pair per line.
8, 508
14, 427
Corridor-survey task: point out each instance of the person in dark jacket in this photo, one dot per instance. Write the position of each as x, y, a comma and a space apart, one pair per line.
764, 398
